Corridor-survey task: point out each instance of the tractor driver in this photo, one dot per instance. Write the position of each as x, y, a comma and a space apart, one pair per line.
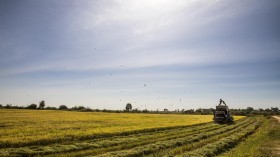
221, 101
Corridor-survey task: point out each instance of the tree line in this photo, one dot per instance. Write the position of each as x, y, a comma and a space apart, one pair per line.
128, 108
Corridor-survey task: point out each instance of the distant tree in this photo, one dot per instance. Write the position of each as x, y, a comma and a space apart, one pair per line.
8, 106
267, 110
128, 107
199, 111
78, 108
50, 108
189, 111
90, 110
274, 109
145, 111
135, 110
249, 109
81, 108
42, 104
63, 107
165, 110
32, 106
1, 106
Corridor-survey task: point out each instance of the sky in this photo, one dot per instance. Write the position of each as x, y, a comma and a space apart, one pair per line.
154, 54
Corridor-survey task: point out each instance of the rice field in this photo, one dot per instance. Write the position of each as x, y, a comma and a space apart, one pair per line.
64, 133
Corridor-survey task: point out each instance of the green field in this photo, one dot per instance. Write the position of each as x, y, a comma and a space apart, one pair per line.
65, 133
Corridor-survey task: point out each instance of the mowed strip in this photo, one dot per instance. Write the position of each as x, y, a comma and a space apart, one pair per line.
120, 145
224, 144
210, 139
158, 130
157, 146
146, 138
42, 127
119, 141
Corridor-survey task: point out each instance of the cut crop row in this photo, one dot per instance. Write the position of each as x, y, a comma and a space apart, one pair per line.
145, 142
142, 139
201, 143
104, 145
171, 143
223, 144
136, 139
45, 140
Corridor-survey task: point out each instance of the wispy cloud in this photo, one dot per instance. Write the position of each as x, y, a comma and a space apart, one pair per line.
179, 45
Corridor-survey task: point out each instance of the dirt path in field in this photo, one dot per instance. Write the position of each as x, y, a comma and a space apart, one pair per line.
276, 143
277, 118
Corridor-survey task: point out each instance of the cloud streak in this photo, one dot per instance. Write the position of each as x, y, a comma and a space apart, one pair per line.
171, 45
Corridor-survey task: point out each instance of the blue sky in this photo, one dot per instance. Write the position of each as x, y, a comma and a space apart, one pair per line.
156, 54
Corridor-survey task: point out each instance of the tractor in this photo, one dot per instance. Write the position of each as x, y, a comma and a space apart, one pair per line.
222, 114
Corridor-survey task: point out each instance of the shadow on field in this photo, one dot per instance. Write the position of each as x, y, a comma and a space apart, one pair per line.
225, 123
